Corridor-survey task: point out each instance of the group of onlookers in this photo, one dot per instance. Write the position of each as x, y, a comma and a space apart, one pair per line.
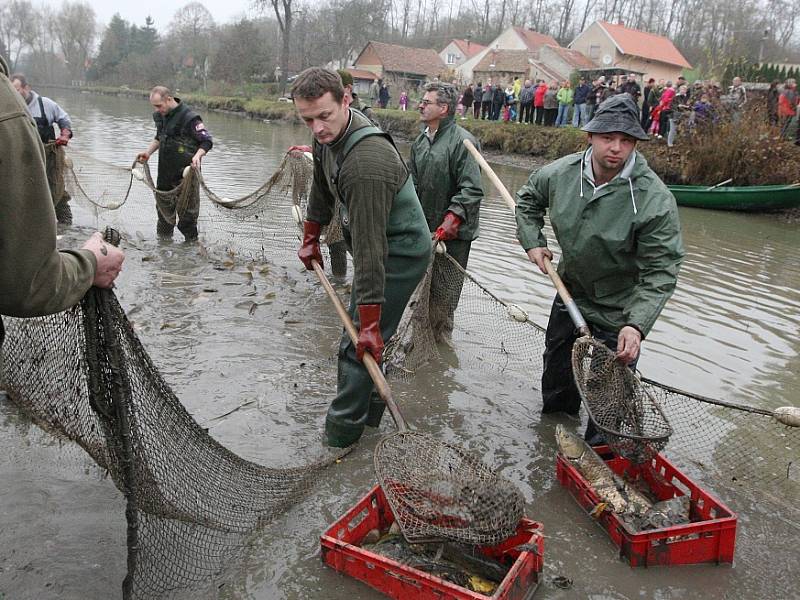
550, 104
666, 106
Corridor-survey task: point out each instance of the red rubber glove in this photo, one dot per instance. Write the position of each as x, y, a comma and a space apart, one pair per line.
64, 137
309, 250
448, 230
369, 334
298, 149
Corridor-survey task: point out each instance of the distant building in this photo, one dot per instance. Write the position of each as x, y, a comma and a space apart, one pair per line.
513, 38
400, 67
618, 47
457, 52
562, 62
361, 81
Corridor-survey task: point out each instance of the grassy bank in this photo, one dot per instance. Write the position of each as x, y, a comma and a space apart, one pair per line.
750, 151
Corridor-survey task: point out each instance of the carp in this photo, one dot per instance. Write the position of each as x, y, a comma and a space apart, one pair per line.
614, 491
617, 495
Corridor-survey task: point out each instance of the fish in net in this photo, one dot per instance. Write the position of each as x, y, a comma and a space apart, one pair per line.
437, 491
631, 421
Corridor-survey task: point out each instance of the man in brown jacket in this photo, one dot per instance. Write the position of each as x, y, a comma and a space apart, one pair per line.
35, 278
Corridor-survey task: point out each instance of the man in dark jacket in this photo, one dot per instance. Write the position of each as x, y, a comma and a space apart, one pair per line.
36, 278
645, 119
526, 102
498, 101
358, 165
631, 87
181, 140
448, 182
46, 114
620, 237
580, 115
486, 101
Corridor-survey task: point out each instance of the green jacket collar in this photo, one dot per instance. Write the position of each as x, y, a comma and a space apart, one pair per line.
444, 125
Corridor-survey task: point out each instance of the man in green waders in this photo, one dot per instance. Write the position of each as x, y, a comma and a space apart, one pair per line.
620, 237
36, 278
181, 140
46, 114
448, 182
384, 228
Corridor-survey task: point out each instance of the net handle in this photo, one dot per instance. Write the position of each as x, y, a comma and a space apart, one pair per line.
368, 361
566, 297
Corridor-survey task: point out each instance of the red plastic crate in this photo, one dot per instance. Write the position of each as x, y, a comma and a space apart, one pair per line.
710, 537
340, 550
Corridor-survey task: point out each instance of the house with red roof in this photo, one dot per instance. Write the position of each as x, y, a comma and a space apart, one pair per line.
524, 41
614, 46
456, 52
400, 67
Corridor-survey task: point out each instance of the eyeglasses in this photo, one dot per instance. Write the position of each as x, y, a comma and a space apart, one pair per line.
427, 102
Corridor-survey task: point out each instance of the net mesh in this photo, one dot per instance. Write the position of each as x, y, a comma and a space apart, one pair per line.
620, 406
192, 504
439, 491
488, 332
84, 374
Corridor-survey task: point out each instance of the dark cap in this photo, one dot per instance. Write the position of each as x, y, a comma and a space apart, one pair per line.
617, 114
347, 78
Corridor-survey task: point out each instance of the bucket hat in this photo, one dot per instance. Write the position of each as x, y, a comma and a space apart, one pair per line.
618, 113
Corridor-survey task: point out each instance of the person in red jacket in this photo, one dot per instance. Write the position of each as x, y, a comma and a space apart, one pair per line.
538, 101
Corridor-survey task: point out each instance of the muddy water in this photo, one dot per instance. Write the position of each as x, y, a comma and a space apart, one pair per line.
729, 332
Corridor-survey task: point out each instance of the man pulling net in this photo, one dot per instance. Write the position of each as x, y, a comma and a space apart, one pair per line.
448, 183
384, 228
46, 114
181, 140
618, 228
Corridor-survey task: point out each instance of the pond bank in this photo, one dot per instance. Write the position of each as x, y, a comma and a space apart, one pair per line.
739, 151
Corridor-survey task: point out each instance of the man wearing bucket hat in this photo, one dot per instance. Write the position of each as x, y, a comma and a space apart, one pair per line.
620, 237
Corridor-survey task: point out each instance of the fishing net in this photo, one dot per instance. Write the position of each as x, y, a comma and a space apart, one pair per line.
488, 332
191, 503
257, 225
439, 491
632, 423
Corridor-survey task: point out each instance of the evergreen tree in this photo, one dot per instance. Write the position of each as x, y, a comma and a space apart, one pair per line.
145, 39
114, 48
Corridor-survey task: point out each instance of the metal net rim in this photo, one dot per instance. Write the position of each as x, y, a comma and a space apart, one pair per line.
495, 527
661, 433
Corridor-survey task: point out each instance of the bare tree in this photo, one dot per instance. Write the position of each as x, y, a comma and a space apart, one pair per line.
18, 27
192, 34
75, 30
284, 13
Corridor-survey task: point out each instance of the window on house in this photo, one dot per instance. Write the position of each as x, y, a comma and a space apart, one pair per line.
594, 51
452, 58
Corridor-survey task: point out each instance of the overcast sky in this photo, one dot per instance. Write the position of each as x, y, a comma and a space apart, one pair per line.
162, 11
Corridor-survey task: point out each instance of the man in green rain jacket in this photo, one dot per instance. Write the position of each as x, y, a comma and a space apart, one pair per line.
36, 278
448, 182
357, 164
620, 237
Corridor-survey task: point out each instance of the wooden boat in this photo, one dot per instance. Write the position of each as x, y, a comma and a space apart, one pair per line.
752, 198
